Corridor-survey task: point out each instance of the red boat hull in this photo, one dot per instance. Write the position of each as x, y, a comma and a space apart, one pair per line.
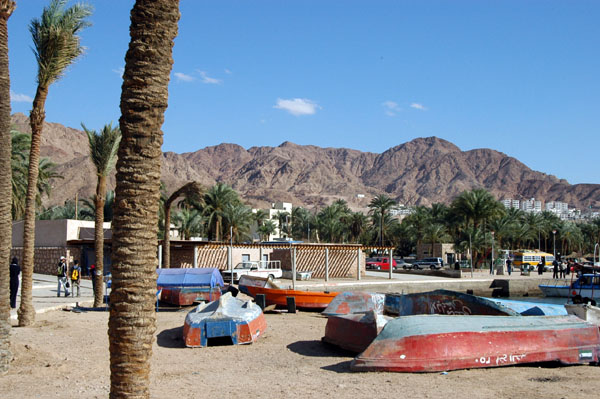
187, 296
472, 349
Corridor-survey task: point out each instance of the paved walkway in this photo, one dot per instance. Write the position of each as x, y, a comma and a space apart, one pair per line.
45, 299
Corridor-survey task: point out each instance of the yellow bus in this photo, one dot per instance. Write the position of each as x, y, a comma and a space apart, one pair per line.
531, 259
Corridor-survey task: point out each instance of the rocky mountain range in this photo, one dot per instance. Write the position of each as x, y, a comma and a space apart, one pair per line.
420, 172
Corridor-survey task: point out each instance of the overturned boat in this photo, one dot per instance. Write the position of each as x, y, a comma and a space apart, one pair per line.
351, 302
354, 332
443, 302
183, 287
227, 319
431, 343
312, 300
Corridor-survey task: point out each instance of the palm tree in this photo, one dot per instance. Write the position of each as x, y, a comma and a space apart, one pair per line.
88, 208
56, 45
380, 206
435, 233
266, 229
189, 222
6, 9
131, 324
192, 190
103, 153
237, 218
19, 165
216, 200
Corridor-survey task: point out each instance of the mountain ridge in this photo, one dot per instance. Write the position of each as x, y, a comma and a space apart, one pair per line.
422, 171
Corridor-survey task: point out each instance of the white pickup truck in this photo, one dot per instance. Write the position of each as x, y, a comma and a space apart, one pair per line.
268, 269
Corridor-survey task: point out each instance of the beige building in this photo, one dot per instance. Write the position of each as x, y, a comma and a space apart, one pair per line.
444, 251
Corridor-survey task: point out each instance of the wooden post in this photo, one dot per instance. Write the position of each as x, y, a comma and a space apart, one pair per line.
391, 259
160, 255
358, 264
294, 269
326, 264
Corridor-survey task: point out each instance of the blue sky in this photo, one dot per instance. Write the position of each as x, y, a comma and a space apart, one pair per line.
520, 77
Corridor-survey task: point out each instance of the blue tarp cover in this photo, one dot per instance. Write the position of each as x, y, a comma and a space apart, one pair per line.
202, 277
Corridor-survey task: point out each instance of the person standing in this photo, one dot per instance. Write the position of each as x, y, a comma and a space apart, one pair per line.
76, 278
61, 273
92, 276
540, 266
509, 266
555, 269
15, 270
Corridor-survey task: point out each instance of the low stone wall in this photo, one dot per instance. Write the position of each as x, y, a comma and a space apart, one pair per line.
46, 259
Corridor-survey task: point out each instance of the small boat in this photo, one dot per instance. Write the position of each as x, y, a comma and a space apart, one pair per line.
183, 287
432, 343
227, 318
354, 332
274, 295
351, 302
585, 312
443, 302
586, 286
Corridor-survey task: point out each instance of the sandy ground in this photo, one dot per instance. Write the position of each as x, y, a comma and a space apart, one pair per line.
66, 355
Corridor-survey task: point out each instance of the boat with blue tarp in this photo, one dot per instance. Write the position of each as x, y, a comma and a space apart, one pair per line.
185, 286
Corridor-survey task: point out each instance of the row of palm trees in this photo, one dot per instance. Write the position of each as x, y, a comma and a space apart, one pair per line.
470, 219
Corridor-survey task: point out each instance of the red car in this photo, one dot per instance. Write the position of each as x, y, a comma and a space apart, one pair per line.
381, 264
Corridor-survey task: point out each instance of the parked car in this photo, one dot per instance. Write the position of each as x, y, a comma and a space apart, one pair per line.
428, 263
401, 263
381, 264
267, 269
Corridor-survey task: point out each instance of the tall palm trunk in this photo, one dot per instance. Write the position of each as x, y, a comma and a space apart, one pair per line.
26, 311
166, 261
99, 241
144, 96
6, 9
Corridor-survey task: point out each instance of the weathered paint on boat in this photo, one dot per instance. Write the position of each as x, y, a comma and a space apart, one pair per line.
354, 332
276, 296
242, 321
355, 302
526, 308
443, 302
430, 343
187, 296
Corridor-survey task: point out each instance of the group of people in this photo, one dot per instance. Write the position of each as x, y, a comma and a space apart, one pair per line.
67, 278
64, 274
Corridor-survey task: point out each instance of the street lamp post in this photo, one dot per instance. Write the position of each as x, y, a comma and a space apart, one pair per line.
554, 242
470, 254
492, 265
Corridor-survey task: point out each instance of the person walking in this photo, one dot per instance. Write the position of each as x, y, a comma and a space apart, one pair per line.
509, 266
15, 270
76, 278
61, 273
540, 266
